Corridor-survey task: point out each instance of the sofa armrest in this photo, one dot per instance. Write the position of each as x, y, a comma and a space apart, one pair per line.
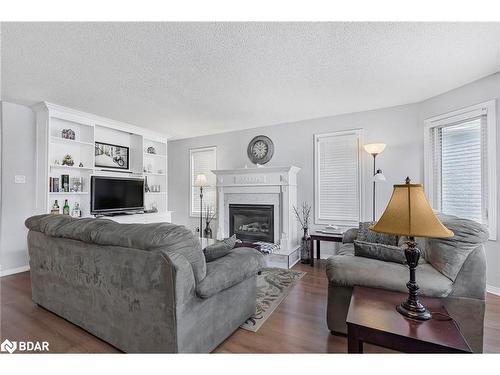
349, 271
350, 235
231, 269
183, 277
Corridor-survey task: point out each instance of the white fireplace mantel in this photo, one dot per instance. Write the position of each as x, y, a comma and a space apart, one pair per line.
263, 185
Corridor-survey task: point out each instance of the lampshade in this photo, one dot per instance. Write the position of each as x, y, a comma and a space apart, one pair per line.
374, 148
409, 214
201, 181
379, 176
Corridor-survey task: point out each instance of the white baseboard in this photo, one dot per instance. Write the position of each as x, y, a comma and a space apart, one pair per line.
493, 289
12, 271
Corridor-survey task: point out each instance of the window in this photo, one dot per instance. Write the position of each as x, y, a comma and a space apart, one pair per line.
337, 169
460, 167
202, 161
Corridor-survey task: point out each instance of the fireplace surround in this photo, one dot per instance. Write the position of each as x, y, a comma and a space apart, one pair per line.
274, 187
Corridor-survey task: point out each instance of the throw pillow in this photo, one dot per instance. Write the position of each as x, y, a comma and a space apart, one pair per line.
367, 235
219, 249
386, 253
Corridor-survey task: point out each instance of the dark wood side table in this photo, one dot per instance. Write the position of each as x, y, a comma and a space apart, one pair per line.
372, 318
318, 237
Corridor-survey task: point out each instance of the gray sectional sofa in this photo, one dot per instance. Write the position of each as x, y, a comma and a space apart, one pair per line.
452, 269
143, 288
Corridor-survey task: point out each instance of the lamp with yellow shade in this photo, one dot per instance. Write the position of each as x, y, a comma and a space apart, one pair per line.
409, 214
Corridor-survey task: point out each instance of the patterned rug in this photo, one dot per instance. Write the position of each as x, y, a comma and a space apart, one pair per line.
273, 285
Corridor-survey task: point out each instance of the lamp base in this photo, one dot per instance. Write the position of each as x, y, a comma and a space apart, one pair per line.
414, 311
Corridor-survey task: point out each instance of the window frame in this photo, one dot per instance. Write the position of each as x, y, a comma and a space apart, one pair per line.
193, 151
317, 137
448, 119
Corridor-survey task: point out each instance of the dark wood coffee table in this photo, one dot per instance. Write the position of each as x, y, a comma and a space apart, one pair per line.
372, 318
318, 237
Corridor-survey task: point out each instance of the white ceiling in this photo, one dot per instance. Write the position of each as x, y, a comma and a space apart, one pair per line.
188, 79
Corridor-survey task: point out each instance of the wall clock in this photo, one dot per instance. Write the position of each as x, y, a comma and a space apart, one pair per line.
260, 149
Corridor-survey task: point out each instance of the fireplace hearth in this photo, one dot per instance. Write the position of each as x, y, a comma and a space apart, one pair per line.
252, 222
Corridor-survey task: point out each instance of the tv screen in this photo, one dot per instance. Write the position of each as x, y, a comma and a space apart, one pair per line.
116, 194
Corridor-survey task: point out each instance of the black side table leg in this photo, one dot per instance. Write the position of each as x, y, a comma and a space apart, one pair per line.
318, 249
354, 344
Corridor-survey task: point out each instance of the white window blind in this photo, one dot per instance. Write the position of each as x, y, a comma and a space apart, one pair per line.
337, 178
203, 161
459, 163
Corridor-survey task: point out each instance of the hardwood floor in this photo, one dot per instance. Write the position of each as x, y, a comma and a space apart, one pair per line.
298, 325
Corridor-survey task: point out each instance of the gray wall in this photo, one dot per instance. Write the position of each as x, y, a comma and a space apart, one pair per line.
476, 92
18, 200
396, 126
401, 128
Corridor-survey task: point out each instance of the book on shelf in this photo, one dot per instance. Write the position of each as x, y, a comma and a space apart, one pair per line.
54, 184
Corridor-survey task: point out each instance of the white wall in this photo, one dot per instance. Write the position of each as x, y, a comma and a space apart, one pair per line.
476, 92
396, 126
18, 200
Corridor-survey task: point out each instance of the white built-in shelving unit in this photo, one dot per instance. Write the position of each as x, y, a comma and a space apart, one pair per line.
89, 128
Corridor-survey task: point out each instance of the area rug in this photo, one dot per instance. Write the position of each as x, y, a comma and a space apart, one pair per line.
273, 285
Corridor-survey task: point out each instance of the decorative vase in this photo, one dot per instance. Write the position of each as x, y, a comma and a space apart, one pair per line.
305, 247
207, 232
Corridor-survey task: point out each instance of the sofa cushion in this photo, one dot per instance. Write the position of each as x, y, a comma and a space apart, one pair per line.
169, 237
350, 235
349, 271
240, 264
367, 235
219, 249
378, 251
448, 255
346, 249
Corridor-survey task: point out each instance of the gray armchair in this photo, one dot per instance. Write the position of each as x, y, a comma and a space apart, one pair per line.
452, 269
141, 287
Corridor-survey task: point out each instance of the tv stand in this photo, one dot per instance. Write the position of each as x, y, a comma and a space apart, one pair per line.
124, 213
140, 217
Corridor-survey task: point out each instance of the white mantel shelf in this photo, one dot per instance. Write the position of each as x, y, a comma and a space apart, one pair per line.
254, 170
262, 176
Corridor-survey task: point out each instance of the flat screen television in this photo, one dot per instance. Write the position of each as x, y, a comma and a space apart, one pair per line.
113, 195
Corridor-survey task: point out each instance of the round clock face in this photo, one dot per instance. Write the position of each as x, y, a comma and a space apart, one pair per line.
260, 149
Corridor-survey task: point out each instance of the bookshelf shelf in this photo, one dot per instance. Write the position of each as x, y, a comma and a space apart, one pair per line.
54, 166
155, 155
65, 141
68, 193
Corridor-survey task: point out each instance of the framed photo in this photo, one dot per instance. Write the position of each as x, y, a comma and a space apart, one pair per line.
111, 156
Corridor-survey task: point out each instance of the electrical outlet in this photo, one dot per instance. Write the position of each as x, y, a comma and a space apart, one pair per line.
19, 179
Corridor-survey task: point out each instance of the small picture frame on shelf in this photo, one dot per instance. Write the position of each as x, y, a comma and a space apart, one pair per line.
111, 156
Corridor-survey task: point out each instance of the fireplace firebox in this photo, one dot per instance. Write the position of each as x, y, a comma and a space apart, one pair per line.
252, 222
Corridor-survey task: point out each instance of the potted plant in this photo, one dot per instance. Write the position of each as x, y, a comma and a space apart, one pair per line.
209, 216
303, 215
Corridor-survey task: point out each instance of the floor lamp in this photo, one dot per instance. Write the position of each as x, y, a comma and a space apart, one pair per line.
374, 149
201, 181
